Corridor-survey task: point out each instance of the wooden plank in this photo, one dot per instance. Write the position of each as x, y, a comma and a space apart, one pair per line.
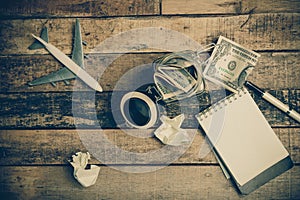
260, 32
17, 71
295, 185
54, 110
277, 70
32, 147
229, 6
273, 71
173, 182
77, 8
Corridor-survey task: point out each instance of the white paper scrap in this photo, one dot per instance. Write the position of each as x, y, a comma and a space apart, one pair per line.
170, 132
86, 177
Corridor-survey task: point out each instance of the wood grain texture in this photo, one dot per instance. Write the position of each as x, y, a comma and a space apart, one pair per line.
173, 182
77, 8
228, 7
55, 111
37, 124
32, 147
273, 71
261, 32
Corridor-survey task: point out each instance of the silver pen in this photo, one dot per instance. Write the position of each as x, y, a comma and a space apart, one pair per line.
71, 65
274, 101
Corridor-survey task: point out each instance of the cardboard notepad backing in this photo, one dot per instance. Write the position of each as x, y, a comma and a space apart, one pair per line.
244, 141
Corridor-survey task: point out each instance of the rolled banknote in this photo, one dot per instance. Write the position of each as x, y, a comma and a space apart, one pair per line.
178, 75
230, 64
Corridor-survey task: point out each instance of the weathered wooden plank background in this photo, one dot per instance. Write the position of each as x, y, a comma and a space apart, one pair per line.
229, 7
264, 31
36, 149
37, 130
78, 8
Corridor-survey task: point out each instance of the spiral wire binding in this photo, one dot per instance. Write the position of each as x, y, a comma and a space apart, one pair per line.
223, 102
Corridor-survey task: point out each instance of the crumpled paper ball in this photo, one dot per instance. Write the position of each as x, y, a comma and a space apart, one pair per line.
170, 132
86, 177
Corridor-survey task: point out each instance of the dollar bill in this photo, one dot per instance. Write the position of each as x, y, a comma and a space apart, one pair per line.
179, 77
176, 75
230, 64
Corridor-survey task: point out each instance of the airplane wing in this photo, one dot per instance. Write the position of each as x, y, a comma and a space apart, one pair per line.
77, 51
64, 74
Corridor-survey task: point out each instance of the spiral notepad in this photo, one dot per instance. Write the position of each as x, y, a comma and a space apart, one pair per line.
244, 141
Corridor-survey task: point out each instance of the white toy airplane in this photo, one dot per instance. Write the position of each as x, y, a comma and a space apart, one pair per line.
73, 67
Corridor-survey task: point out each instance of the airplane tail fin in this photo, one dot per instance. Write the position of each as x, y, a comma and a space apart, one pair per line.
36, 44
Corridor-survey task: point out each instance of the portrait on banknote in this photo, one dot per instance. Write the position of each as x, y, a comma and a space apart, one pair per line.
230, 64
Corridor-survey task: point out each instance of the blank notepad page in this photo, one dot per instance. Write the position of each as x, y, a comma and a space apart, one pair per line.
242, 137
